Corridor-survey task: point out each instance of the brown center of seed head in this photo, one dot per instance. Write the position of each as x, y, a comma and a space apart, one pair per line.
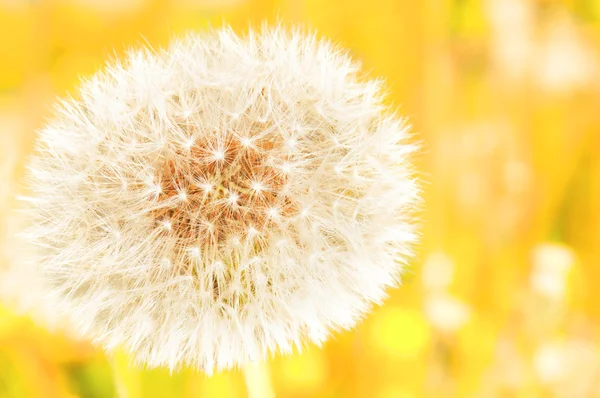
223, 190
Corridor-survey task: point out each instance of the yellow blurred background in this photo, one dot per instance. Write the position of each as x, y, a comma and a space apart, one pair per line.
501, 300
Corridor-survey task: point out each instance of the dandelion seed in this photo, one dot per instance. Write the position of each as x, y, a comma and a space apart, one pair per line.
233, 198
206, 187
219, 155
273, 212
182, 196
257, 186
246, 142
194, 252
167, 225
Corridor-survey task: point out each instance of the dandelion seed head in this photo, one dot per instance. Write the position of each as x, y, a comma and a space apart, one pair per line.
195, 205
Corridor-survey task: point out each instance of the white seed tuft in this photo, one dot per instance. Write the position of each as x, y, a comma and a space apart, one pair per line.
222, 199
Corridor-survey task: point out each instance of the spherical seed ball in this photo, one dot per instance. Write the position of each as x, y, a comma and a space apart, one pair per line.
221, 199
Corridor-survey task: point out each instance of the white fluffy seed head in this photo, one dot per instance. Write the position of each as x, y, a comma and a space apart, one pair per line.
222, 199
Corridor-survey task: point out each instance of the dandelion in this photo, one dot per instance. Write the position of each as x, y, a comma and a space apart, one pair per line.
223, 199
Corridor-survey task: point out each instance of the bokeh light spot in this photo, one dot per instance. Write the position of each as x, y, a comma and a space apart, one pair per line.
400, 332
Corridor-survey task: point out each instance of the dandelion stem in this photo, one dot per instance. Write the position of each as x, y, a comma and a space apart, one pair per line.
258, 380
126, 378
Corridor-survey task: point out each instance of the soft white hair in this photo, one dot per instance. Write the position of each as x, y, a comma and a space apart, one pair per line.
222, 199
